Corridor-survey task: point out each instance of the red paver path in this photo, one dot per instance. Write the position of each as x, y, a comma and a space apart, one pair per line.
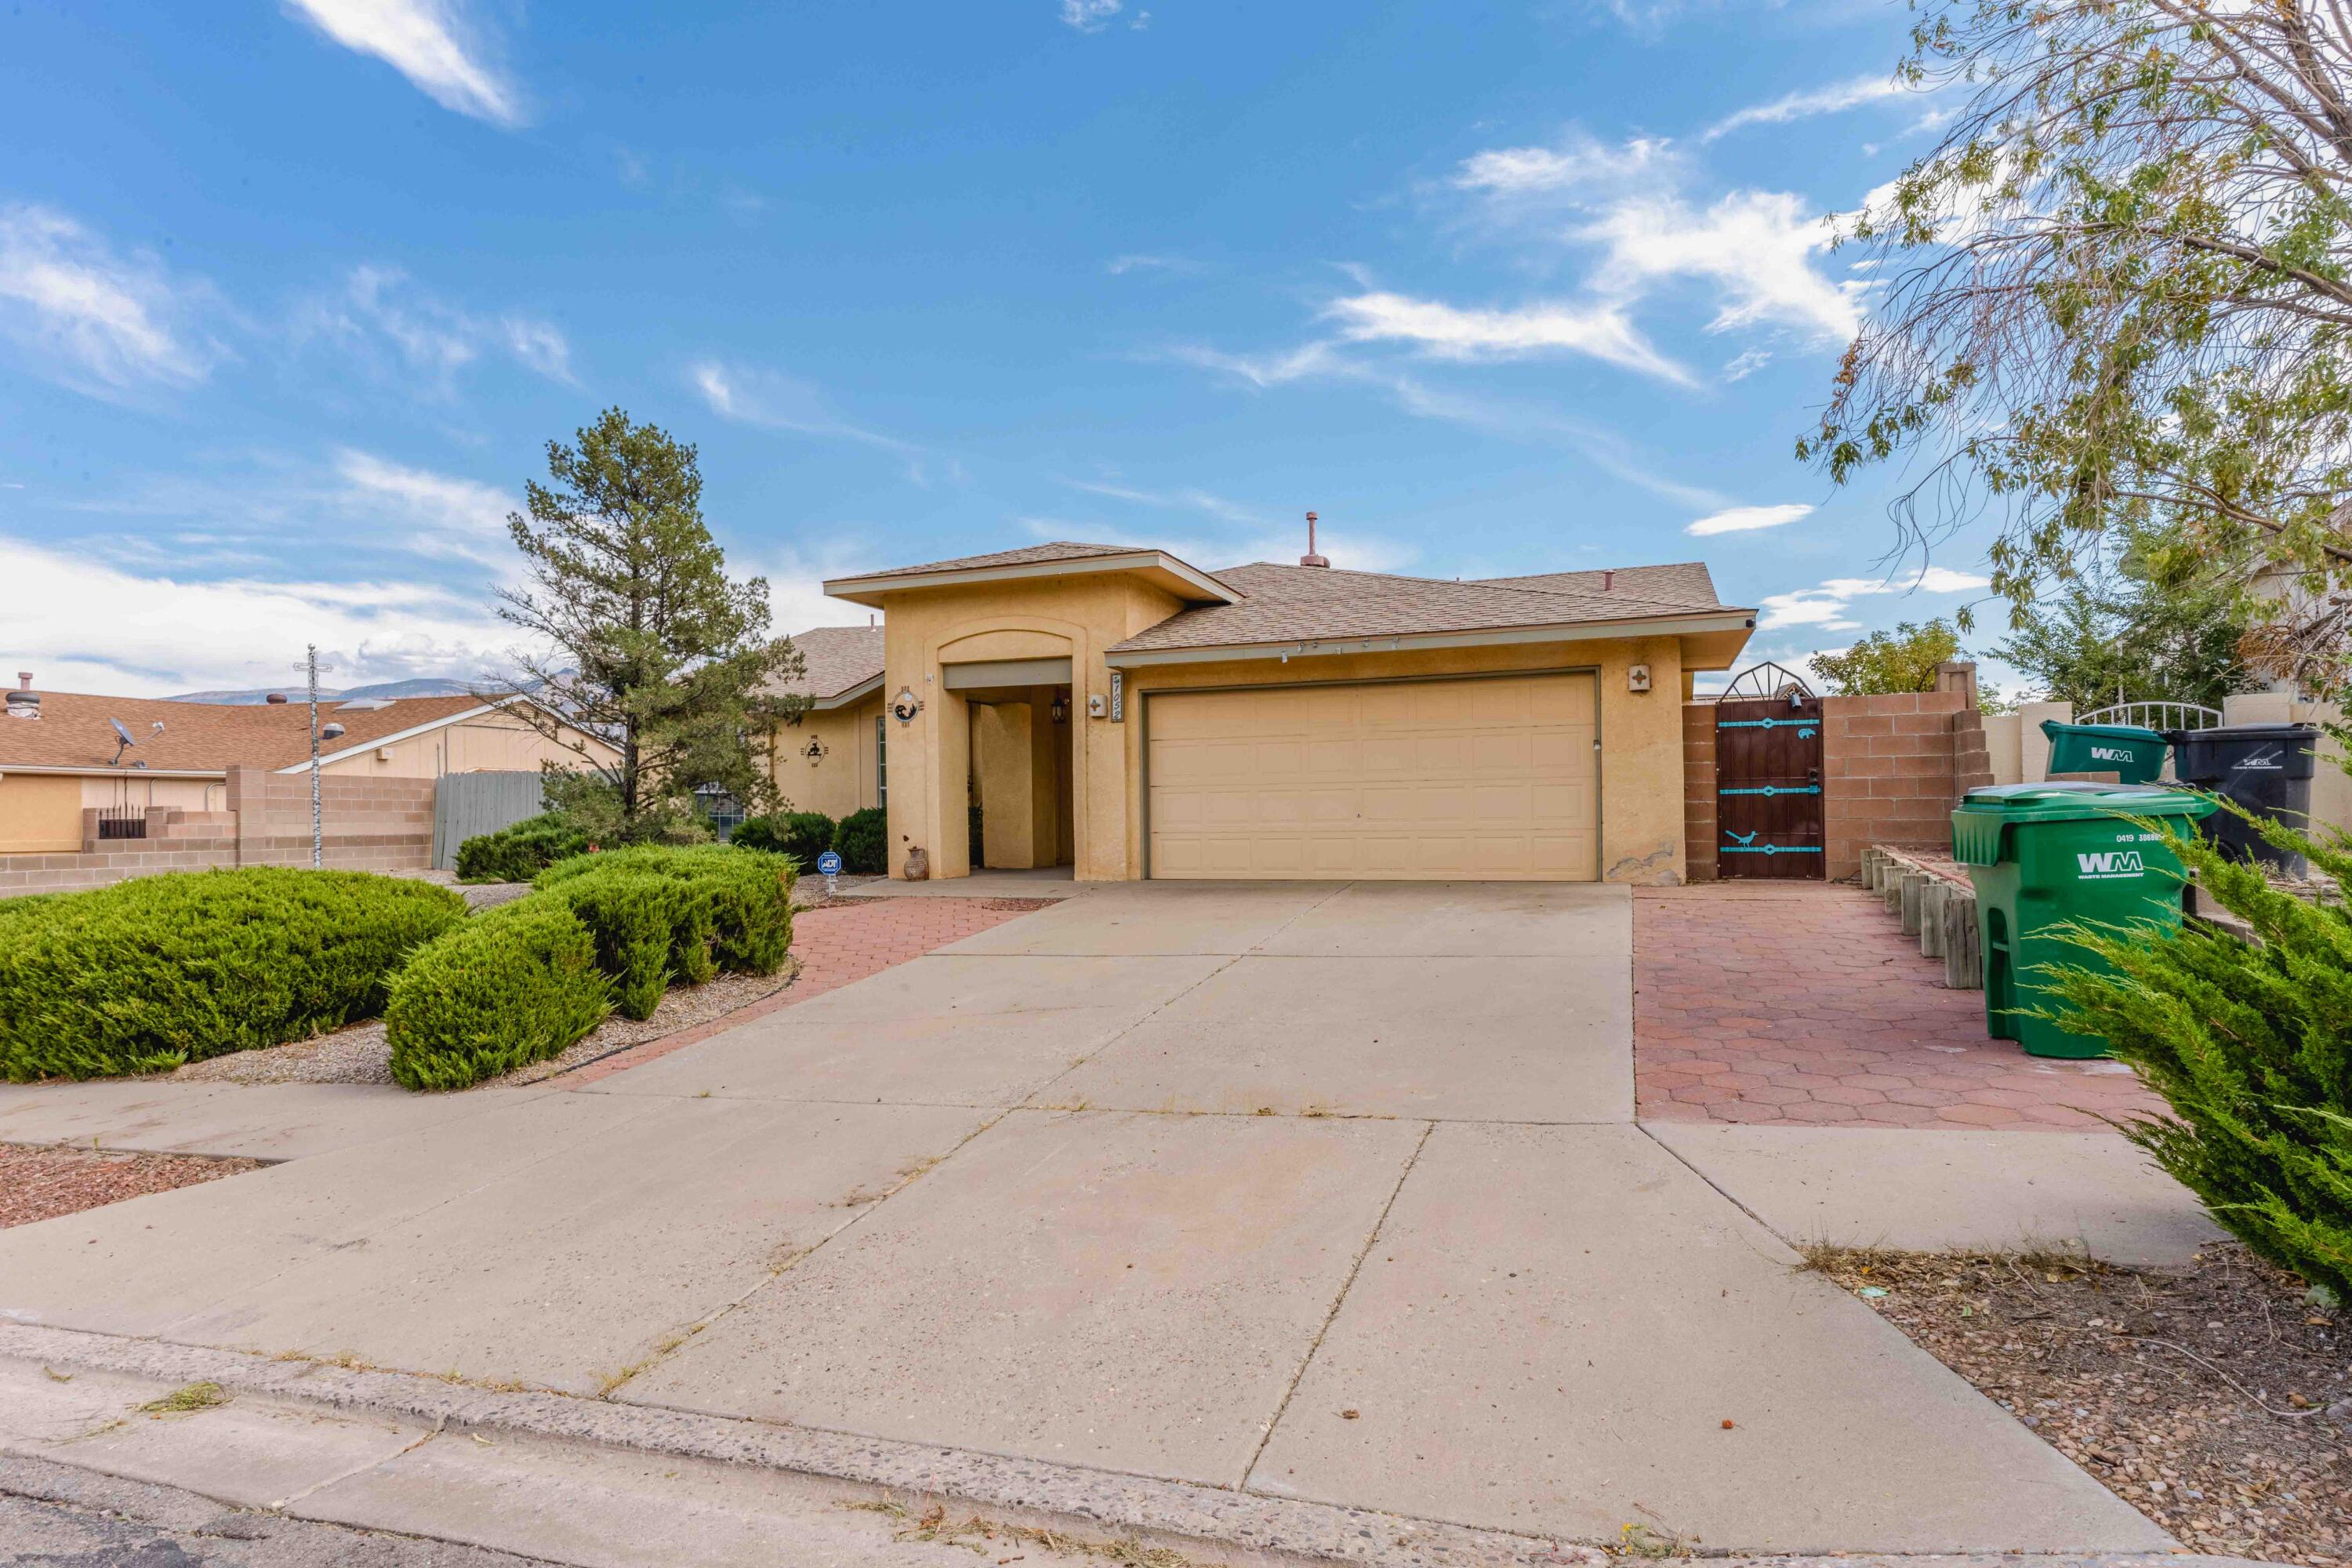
835, 943
1805, 1003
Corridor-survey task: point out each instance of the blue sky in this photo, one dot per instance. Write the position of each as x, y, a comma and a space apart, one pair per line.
292, 294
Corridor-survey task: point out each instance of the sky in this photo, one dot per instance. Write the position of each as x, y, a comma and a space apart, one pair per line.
293, 293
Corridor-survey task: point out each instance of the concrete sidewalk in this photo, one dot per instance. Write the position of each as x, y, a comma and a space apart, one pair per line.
1296, 1195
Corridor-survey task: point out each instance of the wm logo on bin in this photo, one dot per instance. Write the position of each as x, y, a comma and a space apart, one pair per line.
2111, 754
2110, 863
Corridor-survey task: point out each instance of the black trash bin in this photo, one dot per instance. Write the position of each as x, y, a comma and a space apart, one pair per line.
2266, 768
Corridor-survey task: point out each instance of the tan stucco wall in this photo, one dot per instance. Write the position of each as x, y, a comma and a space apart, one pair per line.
1072, 618
490, 743
843, 780
39, 813
127, 788
1641, 734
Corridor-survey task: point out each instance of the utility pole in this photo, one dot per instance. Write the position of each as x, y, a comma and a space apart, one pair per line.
311, 667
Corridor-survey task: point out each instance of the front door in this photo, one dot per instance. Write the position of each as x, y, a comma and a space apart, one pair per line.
1767, 775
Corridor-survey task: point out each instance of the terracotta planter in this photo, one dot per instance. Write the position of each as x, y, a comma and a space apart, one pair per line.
919, 865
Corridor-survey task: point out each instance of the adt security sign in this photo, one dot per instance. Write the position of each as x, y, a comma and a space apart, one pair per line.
828, 865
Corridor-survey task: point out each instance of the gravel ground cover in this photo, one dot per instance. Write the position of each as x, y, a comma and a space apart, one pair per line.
40, 1182
2216, 1401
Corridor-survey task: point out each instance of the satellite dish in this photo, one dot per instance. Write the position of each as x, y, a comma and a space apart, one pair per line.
121, 733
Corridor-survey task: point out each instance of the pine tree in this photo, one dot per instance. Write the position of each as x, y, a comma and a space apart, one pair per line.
643, 640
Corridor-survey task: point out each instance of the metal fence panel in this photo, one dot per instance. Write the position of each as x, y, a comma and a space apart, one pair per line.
466, 805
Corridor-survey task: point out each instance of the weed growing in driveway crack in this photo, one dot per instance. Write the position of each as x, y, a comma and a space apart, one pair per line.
979, 1535
186, 1400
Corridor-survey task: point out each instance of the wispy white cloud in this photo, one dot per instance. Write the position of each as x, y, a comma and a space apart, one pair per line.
1825, 607
387, 319
772, 400
448, 515
1119, 266
1187, 499
1578, 163
1756, 247
1090, 16
1748, 519
90, 317
1745, 363
432, 43
82, 624
1595, 328
1834, 99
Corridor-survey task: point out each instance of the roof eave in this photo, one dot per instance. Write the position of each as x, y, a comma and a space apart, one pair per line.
1402, 642
848, 697
102, 770
1178, 577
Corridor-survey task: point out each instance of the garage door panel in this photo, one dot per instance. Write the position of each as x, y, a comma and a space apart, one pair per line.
1492, 778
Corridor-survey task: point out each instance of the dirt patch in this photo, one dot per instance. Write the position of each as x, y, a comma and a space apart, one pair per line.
2216, 1401
37, 1184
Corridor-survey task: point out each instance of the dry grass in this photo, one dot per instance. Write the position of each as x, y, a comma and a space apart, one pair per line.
186, 1400
983, 1536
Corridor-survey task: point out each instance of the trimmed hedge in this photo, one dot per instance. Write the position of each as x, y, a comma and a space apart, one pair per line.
150, 974
802, 835
863, 840
688, 912
518, 851
511, 986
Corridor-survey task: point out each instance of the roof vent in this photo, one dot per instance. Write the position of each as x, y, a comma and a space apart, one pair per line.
275, 696
1608, 581
25, 703
1310, 558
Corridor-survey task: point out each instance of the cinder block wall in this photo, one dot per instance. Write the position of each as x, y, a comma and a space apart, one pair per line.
1699, 800
1892, 767
369, 825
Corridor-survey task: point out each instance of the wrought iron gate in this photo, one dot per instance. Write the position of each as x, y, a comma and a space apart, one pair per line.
1767, 775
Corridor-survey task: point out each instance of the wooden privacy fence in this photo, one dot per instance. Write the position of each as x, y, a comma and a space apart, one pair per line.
466, 805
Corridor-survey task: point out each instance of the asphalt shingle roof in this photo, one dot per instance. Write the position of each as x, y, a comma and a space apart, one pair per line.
1294, 603
837, 658
1062, 550
202, 737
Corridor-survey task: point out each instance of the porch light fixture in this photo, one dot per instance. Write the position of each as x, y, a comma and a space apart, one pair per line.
1059, 711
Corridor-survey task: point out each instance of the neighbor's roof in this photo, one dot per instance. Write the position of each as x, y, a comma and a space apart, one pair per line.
836, 659
204, 737
1297, 604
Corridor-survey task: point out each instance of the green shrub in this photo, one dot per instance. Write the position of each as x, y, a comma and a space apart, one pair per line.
150, 974
863, 840
764, 833
807, 834
518, 851
715, 906
2250, 1045
511, 986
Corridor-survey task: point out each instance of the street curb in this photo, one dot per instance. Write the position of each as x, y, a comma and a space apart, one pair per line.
1107, 1499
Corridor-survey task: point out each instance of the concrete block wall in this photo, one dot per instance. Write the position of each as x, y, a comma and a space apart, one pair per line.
1891, 768
370, 825
1699, 799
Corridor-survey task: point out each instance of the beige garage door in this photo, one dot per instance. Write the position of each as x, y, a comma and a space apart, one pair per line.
1409, 780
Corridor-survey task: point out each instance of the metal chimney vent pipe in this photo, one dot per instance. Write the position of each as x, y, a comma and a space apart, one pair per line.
1310, 558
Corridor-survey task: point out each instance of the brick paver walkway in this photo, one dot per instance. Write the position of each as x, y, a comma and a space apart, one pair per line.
835, 943
1804, 1003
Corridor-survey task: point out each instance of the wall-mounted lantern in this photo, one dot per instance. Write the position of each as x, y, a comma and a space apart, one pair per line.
1059, 712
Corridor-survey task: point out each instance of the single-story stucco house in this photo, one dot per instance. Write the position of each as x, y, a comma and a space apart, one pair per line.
1120, 711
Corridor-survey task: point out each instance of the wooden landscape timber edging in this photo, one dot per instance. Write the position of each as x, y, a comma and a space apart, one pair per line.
1933, 905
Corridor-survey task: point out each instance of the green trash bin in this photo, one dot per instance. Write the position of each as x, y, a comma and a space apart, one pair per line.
2135, 756
2045, 854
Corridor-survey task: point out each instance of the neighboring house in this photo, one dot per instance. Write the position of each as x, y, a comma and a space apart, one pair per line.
60, 756
835, 756
1121, 711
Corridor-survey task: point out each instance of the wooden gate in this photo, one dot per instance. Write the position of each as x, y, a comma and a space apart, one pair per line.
1767, 775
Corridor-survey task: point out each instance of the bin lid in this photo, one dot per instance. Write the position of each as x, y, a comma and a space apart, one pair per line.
2053, 728
2061, 800
2227, 732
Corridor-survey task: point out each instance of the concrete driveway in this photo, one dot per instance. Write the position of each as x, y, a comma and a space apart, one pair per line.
1319, 1191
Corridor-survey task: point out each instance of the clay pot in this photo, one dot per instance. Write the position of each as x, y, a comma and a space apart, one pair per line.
919, 865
